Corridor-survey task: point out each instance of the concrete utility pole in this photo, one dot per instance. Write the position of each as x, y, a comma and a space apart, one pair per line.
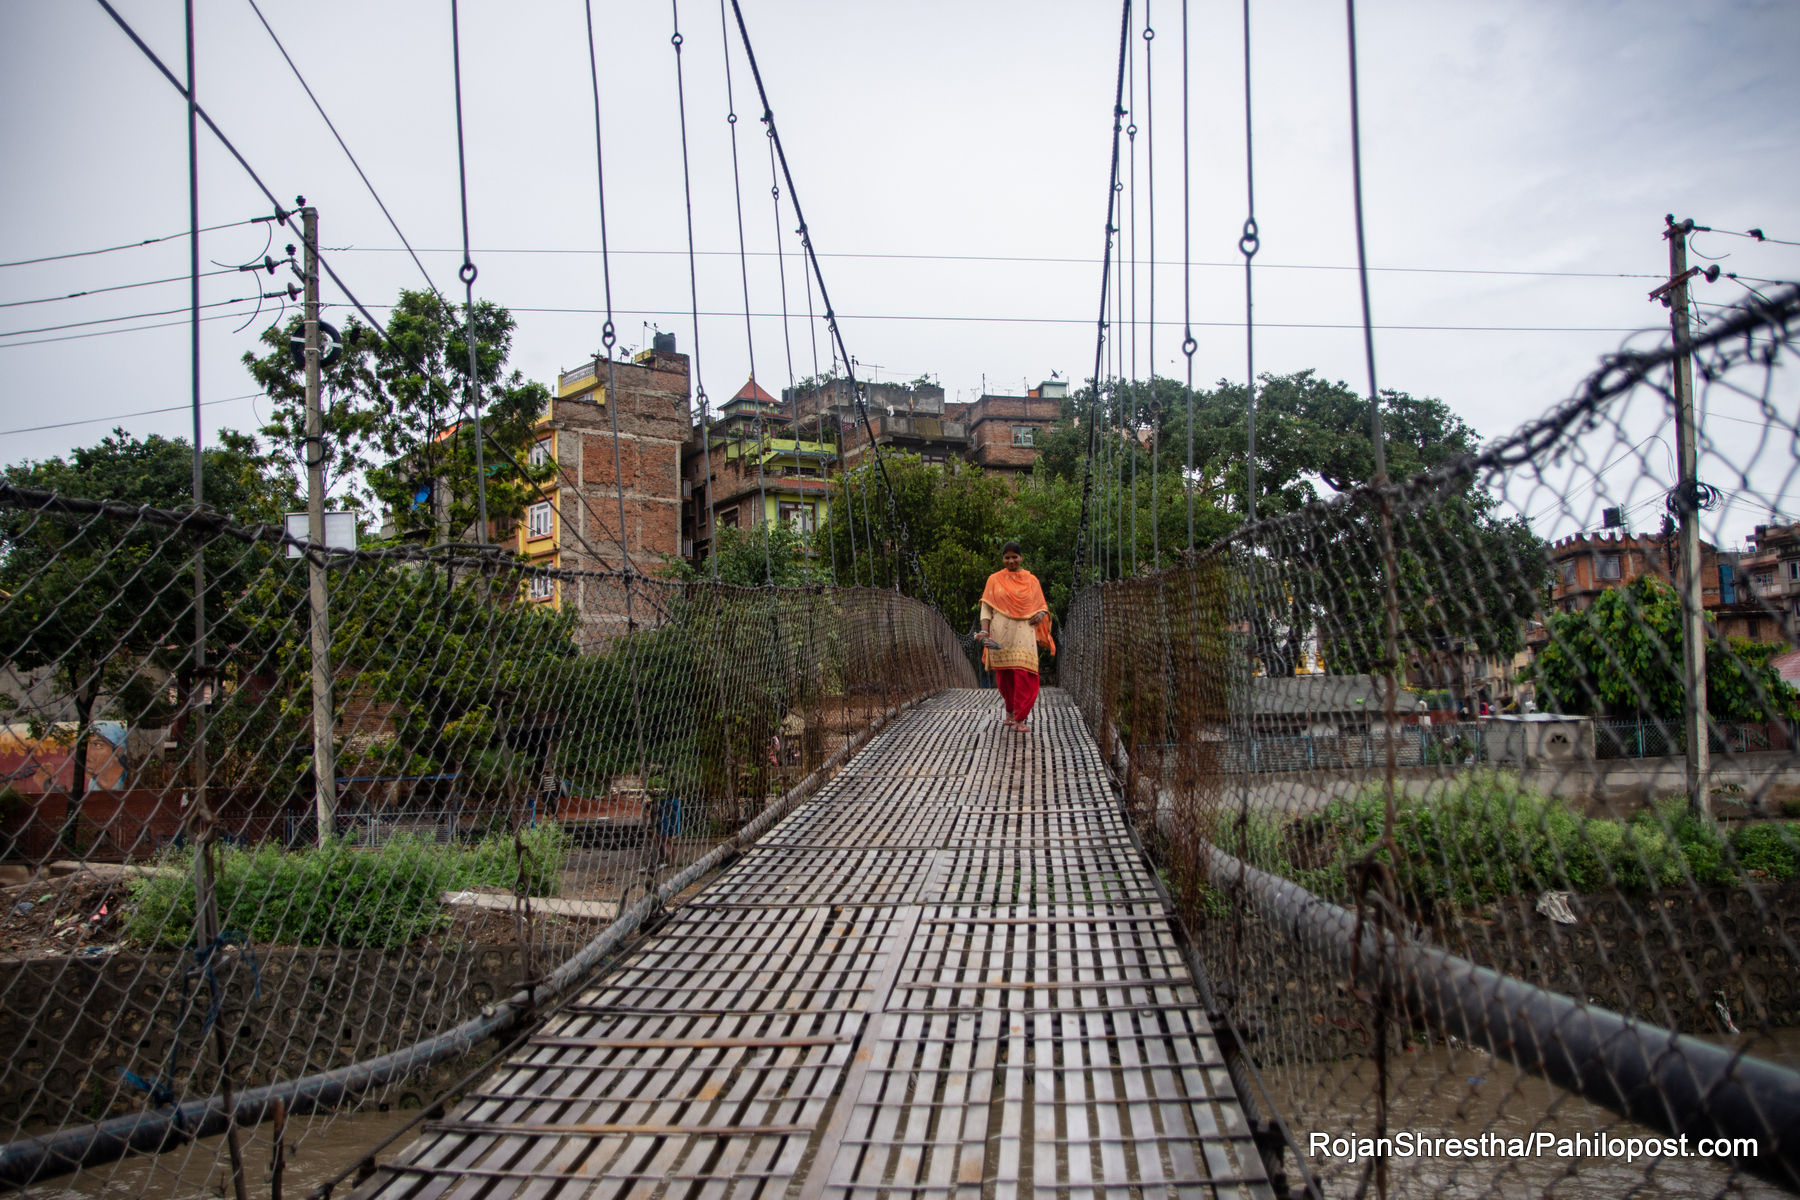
1687, 498
324, 755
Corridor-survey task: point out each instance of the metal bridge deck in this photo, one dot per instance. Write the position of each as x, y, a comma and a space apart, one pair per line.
946, 976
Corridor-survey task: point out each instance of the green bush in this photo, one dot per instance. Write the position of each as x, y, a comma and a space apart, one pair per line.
1772, 847
342, 894
1487, 836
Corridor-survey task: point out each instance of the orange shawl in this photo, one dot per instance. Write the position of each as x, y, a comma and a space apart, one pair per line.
1017, 594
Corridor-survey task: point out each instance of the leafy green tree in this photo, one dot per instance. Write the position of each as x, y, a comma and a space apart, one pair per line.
743, 562
100, 599
1622, 655
393, 409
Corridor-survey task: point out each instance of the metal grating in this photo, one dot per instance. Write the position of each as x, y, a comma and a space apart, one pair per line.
946, 975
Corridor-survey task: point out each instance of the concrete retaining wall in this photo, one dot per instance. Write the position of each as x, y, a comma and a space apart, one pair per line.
68, 1026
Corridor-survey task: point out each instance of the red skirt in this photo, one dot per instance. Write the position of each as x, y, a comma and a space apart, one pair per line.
1019, 689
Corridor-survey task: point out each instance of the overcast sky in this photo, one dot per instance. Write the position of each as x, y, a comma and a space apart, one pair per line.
951, 159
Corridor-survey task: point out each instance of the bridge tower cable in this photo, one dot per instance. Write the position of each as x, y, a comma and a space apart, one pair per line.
287, 220
1188, 344
1249, 241
908, 552
1088, 514
687, 193
1383, 1000
1130, 413
787, 341
1150, 336
467, 274
737, 192
812, 330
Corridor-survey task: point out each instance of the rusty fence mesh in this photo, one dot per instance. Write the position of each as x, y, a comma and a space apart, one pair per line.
1498, 893
527, 764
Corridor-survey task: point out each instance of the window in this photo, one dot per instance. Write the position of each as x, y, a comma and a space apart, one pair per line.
540, 521
1568, 573
541, 587
1755, 633
795, 513
1609, 566
540, 453
1794, 570
1022, 434
1762, 583
728, 516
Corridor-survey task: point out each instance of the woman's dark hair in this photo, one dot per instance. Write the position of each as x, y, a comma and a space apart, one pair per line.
1011, 548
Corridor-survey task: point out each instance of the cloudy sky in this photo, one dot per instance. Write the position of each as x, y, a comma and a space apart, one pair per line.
951, 159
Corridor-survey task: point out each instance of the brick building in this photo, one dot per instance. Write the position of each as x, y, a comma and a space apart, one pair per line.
580, 530
1767, 580
762, 470
1003, 430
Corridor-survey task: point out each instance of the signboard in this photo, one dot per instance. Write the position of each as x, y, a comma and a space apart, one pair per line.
340, 531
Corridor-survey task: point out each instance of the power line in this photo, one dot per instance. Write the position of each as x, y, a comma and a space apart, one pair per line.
671, 312
71, 337
122, 287
133, 317
142, 412
1020, 258
26, 262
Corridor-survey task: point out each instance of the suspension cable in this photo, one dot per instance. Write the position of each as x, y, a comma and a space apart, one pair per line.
286, 219
1087, 479
909, 552
812, 330
467, 273
1188, 344
787, 341
687, 192
1248, 244
737, 191
1130, 425
1150, 346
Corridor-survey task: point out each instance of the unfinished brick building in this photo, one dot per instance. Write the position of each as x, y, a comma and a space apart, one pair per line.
580, 531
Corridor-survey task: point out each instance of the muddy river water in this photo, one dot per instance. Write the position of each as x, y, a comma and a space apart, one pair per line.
1440, 1093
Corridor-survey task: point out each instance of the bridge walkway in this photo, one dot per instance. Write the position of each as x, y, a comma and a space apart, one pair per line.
946, 975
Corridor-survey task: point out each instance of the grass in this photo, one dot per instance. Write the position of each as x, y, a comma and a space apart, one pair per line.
1487, 836
342, 894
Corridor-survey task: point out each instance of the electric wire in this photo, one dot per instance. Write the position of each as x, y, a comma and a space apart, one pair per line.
120, 287
26, 262
133, 317
1082, 262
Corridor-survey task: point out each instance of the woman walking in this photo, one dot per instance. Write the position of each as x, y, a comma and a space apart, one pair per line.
1015, 621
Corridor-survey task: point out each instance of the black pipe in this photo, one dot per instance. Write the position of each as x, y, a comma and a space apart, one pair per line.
1678, 1085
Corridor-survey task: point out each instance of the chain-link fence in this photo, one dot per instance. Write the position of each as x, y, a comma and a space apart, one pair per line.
1417, 764
215, 886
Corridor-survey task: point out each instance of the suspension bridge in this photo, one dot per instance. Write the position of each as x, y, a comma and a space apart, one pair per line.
949, 973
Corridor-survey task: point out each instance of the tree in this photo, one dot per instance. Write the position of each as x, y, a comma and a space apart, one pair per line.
96, 599
394, 411
751, 558
1622, 655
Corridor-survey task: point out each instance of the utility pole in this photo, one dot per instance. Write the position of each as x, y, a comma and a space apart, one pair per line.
1687, 500
324, 754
